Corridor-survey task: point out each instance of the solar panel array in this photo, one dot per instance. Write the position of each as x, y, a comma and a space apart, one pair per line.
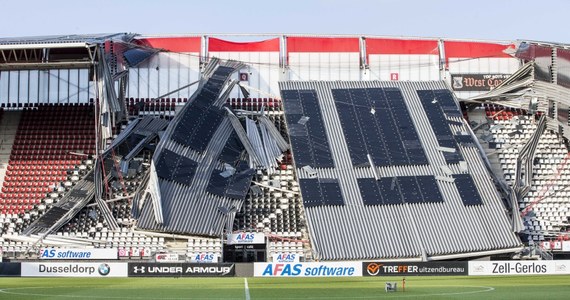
399, 190
393, 157
308, 138
376, 122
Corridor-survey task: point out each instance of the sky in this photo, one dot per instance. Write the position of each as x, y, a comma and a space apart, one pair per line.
506, 20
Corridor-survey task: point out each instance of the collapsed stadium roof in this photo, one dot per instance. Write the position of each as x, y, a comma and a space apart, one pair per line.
386, 169
199, 177
394, 172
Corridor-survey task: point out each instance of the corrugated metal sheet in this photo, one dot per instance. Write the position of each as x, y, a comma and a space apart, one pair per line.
356, 231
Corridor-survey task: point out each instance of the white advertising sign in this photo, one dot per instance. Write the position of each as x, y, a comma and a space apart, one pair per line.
286, 257
204, 257
514, 267
78, 253
246, 238
566, 246
166, 257
49, 269
312, 269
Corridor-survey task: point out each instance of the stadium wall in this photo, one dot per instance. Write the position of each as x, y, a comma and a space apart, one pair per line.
262, 64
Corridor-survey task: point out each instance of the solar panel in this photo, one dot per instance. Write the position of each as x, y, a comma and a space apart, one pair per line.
331, 192
410, 189
433, 104
311, 192
350, 126
390, 190
235, 186
232, 150
376, 121
197, 126
320, 192
465, 140
467, 189
429, 189
172, 166
369, 191
309, 140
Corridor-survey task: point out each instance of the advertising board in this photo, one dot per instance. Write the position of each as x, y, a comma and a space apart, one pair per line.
246, 238
414, 268
180, 270
73, 269
286, 257
476, 82
522, 267
166, 257
310, 269
78, 253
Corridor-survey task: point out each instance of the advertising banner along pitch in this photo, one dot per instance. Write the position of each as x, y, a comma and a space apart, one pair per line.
413, 268
71, 269
311, 269
10, 269
181, 270
522, 267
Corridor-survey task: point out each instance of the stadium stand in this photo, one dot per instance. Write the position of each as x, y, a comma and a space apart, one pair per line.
332, 148
544, 208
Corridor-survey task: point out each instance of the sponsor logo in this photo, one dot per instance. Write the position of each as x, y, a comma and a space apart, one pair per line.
479, 268
76, 269
104, 269
180, 269
49, 269
561, 268
166, 257
522, 267
308, 270
420, 268
373, 269
50, 253
477, 82
286, 257
245, 237
519, 268
69, 254
457, 82
204, 257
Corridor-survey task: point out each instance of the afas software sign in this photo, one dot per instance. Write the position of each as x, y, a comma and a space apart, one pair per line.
49, 269
77, 253
246, 238
311, 269
522, 267
413, 268
181, 270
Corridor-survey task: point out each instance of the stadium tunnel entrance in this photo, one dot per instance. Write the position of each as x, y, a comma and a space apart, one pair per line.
245, 253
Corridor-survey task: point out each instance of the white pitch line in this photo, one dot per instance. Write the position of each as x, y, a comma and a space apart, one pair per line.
247, 297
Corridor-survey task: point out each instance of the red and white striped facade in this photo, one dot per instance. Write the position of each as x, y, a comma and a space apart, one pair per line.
316, 58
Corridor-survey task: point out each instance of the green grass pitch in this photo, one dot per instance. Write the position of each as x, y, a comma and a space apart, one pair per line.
513, 287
